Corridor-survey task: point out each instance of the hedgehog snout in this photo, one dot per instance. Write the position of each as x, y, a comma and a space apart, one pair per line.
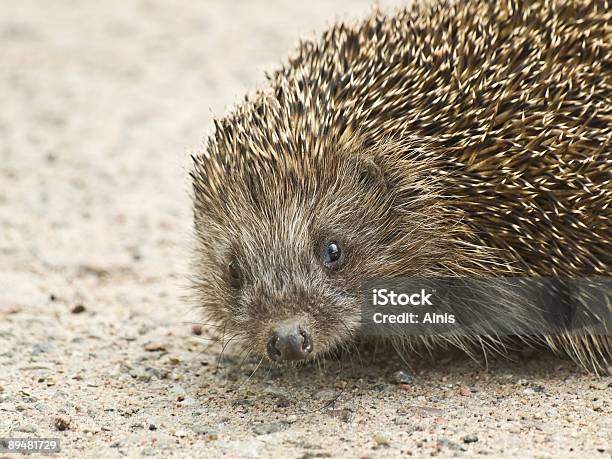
289, 341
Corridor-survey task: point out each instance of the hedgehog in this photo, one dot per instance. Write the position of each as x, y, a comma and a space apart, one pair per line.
460, 139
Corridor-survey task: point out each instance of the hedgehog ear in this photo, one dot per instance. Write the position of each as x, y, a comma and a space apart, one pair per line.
370, 173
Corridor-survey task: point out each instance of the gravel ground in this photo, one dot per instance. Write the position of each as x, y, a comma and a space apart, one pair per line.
101, 104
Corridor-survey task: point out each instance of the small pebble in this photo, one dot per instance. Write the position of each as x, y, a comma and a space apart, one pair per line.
91, 429
178, 393
465, 391
40, 348
598, 405
401, 377
538, 388
181, 433
270, 427
381, 440
211, 436
470, 439
196, 329
78, 309
152, 347
446, 443
61, 423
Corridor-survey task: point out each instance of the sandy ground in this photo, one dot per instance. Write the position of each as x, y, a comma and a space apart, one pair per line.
101, 102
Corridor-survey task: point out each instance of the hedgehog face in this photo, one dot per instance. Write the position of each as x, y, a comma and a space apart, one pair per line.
283, 254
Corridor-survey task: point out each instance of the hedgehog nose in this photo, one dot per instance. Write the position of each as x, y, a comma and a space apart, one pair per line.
289, 342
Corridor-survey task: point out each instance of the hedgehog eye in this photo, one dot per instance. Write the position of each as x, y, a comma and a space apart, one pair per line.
234, 273
332, 253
